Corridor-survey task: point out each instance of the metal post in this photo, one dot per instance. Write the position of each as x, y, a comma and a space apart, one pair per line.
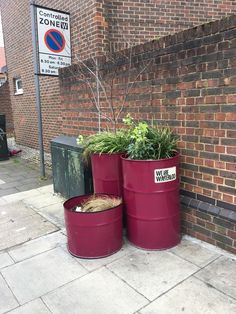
37, 90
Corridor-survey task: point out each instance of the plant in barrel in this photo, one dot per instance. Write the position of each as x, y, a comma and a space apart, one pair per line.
105, 149
151, 186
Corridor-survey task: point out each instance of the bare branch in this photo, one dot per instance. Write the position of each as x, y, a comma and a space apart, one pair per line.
102, 84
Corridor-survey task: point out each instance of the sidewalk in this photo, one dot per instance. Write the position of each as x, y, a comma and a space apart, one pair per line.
38, 275
17, 175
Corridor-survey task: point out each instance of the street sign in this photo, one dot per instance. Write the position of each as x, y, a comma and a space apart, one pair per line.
54, 40
54, 47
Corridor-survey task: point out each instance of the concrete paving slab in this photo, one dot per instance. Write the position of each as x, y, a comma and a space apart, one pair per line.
152, 273
54, 213
8, 191
21, 195
43, 200
192, 297
92, 264
8, 178
5, 260
34, 307
221, 274
7, 300
2, 201
100, 292
41, 274
194, 253
10, 185
14, 211
46, 189
17, 168
37, 246
24, 187
18, 183
19, 231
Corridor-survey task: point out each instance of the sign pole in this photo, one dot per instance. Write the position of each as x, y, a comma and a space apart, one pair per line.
37, 90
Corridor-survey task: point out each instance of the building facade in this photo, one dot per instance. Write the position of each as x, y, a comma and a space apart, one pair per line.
97, 26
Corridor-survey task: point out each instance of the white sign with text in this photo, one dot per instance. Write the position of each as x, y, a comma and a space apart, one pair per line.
54, 44
165, 175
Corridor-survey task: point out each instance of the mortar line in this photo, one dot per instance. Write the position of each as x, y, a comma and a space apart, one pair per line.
108, 263
193, 262
28, 241
128, 284
51, 291
45, 305
192, 275
10, 289
21, 244
28, 258
213, 287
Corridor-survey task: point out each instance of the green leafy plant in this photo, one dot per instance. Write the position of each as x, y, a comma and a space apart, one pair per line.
138, 140
146, 142
105, 142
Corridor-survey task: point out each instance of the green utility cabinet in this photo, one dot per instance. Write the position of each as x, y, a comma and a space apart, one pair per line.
3, 139
71, 177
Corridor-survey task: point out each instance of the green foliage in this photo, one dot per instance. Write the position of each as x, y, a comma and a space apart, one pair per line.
151, 142
138, 140
106, 142
129, 121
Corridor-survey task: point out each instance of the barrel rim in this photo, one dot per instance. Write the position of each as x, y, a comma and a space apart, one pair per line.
150, 160
108, 154
87, 195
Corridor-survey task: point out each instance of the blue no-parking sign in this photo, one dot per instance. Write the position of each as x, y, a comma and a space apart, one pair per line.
54, 47
54, 40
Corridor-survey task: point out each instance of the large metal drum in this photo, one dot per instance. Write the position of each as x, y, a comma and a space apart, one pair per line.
92, 234
151, 196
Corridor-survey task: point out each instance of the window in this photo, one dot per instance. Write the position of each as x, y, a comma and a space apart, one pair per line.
18, 86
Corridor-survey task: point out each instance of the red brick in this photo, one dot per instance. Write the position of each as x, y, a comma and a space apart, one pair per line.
231, 150
231, 167
232, 234
231, 116
228, 198
220, 149
232, 98
220, 116
218, 180
219, 165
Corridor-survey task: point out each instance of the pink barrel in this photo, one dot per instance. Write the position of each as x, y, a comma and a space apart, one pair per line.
107, 173
92, 235
152, 202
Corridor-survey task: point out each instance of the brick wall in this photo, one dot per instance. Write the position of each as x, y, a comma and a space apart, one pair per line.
97, 26
5, 107
209, 223
136, 21
189, 83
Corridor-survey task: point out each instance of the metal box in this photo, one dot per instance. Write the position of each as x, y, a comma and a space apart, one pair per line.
71, 177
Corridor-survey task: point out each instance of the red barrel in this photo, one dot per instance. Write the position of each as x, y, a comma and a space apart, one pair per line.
151, 196
107, 173
95, 234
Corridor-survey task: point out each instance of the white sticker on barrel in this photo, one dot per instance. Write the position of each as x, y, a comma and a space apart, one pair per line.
165, 175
